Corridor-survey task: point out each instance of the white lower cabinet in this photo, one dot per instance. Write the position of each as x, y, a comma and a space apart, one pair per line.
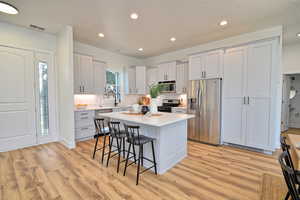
84, 124
248, 90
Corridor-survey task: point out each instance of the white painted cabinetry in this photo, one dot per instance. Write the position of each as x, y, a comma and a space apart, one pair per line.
99, 77
181, 77
83, 73
167, 71
152, 76
247, 95
135, 80
84, 124
89, 75
206, 65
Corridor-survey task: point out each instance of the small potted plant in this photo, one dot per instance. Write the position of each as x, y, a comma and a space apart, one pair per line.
154, 93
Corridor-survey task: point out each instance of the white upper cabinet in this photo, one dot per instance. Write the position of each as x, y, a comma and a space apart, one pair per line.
89, 76
259, 69
152, 76
99, 77
213, 64
196, 67
167, 71
181, 78
140, 79
135, 80
206, 65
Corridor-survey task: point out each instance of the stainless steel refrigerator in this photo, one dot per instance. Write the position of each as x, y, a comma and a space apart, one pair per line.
204, 101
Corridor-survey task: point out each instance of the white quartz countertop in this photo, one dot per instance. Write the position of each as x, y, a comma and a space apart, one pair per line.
157, 121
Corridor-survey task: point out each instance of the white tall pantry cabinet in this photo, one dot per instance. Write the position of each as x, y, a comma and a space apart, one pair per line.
248, 87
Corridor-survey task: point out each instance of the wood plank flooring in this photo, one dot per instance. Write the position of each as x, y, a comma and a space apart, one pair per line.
52, 171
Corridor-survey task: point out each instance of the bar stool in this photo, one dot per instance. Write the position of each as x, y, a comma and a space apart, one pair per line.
118, 134
101, 130
134, 138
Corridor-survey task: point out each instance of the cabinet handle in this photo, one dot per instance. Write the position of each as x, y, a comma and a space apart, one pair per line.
84, 117
204, 74
84, 129
83, 88
248, 102
83, 114
244, 100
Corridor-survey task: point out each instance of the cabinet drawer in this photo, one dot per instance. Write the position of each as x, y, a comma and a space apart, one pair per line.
84, 115
84, 131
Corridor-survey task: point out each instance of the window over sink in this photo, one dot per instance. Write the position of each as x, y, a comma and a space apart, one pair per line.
112, 87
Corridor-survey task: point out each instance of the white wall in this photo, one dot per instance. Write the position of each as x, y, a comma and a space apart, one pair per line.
65, 86
20, 37
291, 58
294, 120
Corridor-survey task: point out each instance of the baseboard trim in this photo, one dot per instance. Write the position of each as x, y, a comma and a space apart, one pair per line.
69, 144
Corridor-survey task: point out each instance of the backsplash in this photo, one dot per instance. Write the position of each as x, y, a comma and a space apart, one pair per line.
99, 100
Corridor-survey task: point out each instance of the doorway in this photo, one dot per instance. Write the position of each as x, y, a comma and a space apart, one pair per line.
290, 120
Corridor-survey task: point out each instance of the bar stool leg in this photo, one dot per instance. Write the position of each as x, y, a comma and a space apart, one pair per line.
142, 156
95, 148
110, 146
134, 154
154, 160
139, 163
119, 146
127, 158
123, 147
103, 149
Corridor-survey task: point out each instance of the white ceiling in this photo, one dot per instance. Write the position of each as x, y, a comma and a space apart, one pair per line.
192, 22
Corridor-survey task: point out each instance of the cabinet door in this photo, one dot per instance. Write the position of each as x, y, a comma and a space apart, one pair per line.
140, 72
213, 63
233, 107
196, 68
259, 69
258, 116
77, 81
235, 61
181, 78
152, 76
99, 77
233, 121
131, 81
171, 71
162, 68
86, 73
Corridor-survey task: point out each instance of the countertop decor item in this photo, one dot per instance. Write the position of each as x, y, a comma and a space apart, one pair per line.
145, 109
154, 92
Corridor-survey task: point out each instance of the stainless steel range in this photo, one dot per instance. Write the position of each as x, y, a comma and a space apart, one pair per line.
168, 104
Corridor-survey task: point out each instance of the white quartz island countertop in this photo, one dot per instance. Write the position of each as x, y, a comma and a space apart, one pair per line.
162, 119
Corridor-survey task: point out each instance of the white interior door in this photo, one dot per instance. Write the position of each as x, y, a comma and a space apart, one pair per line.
17, 99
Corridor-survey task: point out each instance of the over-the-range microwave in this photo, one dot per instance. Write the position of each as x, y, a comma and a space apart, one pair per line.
168, 86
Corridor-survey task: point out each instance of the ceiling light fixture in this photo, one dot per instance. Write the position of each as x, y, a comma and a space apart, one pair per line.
298, 34
101, 35
223, 23
173, 39
134, 16
8, 8
141, 49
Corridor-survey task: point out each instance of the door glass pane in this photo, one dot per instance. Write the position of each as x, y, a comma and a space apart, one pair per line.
43, 94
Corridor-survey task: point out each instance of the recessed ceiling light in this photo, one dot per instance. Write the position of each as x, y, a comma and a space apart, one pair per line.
223, 23
134, 16
141, 49
298, 34
8, 9
101, 35
173, 39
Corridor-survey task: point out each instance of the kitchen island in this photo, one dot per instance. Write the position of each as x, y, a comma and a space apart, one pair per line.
169, 131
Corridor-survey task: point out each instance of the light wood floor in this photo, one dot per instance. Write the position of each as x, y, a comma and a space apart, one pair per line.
52, 171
